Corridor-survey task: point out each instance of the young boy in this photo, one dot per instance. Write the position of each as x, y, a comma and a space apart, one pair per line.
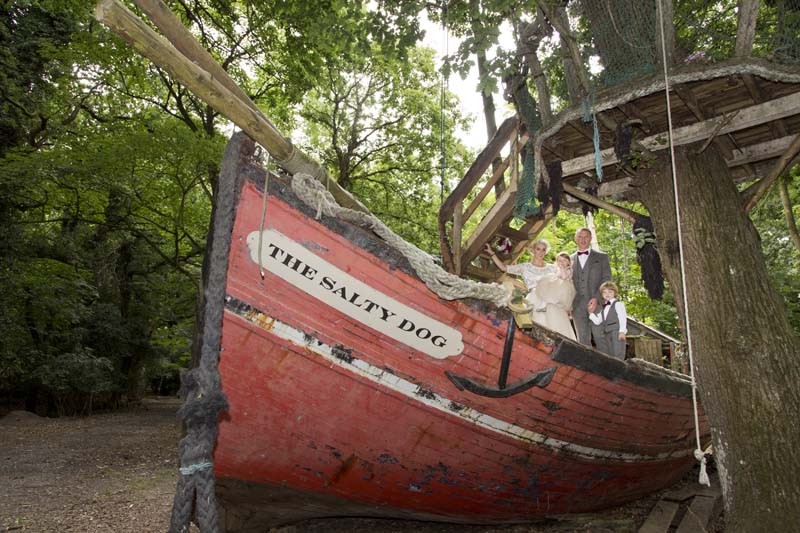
610, 322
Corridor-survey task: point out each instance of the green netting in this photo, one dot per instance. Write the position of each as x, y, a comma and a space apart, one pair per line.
626, 40
623, 34
783, 44
525, 204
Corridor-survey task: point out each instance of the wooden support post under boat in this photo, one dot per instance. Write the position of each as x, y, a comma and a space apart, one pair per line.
753, 194
190, 71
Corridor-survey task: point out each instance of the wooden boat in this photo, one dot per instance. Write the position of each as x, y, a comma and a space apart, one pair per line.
355, 390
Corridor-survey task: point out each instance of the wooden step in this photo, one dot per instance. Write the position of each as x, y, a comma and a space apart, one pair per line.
689, 509
700, 514
660, 518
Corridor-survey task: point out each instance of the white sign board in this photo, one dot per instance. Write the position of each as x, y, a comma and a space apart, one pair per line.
305, 270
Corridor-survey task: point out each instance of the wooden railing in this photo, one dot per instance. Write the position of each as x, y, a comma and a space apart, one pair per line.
487, 174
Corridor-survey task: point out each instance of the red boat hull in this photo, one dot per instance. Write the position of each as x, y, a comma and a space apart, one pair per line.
327, 406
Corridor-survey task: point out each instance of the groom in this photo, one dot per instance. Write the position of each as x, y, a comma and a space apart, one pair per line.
590, 269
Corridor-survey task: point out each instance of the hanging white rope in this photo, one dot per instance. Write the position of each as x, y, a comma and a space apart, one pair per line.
442, 100
263, 216
448, 286
698, 452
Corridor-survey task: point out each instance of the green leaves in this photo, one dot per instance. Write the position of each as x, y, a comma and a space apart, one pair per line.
378, 126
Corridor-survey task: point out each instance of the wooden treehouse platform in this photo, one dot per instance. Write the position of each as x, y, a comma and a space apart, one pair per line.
748, 108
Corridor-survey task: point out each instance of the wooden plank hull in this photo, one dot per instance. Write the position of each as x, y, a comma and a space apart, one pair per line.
357, 415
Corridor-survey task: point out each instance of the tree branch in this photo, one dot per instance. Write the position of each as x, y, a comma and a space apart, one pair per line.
753, 194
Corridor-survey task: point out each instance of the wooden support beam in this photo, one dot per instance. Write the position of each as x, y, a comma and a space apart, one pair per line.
725, 143
753, 194
210, 89
746, 118
177, 34
503, 134
584, 129
750, 158
758, 96
621, 212
511, 233
535, 227
497, 174
456, 242
759, 152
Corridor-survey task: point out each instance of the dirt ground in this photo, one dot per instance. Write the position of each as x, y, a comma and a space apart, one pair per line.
116, 473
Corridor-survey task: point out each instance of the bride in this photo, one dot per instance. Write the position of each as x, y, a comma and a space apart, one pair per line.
554, 293
530, 272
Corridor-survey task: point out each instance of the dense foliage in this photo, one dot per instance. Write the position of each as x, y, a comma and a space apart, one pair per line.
108, 169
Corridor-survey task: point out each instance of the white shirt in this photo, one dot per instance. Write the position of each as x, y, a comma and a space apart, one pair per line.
598, 318
582, 258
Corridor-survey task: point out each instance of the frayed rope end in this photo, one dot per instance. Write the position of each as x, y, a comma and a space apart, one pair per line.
703, 478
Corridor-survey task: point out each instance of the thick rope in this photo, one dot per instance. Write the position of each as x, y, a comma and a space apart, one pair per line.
698, 453
446, 285
201, 388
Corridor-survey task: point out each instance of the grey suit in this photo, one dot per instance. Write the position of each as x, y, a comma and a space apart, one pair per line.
606, 334
587, 281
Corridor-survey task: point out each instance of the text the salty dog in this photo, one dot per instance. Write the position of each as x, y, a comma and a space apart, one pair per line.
322, 280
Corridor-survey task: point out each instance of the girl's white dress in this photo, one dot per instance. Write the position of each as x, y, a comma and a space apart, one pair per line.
555, 292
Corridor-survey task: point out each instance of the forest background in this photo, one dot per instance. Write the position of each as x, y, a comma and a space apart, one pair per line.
108, 167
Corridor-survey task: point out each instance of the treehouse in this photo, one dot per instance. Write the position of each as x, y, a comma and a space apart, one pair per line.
746, 104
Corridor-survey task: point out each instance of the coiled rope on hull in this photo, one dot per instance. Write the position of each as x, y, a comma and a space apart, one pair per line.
446, 285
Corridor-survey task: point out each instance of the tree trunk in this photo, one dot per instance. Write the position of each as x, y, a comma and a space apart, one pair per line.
489, 117
746, 355
486, 97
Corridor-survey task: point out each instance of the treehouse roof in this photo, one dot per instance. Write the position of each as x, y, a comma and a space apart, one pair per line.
749, 109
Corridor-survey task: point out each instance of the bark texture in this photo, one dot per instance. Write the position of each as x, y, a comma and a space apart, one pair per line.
746, 356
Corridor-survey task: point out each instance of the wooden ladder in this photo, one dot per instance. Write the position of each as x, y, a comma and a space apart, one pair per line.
483, 201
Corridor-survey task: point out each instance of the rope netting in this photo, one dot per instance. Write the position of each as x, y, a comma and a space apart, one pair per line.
625, 35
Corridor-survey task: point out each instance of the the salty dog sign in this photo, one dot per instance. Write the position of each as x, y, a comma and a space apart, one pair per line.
315, 276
